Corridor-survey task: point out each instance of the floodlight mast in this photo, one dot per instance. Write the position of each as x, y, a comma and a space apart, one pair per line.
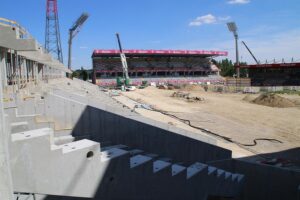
233, 28
73, 31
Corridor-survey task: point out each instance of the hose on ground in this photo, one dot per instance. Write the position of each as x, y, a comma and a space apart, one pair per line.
228, 139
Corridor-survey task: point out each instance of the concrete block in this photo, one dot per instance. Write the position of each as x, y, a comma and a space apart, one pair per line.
195, 169
138, 160
63, 139
112, 153
19, 127
177, 169
31, 134
159, 165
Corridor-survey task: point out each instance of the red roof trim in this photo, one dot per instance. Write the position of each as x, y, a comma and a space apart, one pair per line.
162, 52
278, 65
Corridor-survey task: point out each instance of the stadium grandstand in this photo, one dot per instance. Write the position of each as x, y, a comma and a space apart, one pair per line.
276, 74
156, 65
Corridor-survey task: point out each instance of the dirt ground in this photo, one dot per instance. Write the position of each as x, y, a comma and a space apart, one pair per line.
230, 115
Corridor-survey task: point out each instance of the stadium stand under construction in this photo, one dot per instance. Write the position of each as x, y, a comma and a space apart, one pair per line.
274, 74
156, 65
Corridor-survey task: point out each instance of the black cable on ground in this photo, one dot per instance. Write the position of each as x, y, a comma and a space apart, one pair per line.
228, 139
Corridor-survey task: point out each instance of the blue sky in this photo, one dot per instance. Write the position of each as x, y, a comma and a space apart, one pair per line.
271, 28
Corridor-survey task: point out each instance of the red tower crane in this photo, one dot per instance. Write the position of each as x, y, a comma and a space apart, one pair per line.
52, 36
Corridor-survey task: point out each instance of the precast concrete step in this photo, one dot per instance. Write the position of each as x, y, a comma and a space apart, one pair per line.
196, 181
62, 132
212, 170
160, 178
134, 152
17, 127
63, 140
194, 169
139, 160
110, 154
79, 145
220, 173
160, 165
31, 134
177, 169
119, 146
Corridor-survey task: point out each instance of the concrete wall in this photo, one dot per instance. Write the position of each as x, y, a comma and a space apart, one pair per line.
139, 132
107, 124
263, 181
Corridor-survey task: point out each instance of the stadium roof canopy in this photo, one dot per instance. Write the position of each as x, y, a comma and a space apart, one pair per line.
274, 65
142, 53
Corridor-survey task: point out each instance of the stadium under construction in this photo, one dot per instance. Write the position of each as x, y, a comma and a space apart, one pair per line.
154, 64
63, 138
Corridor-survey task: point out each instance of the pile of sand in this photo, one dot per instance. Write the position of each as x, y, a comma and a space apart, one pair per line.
192, 88
249, 98
273, 100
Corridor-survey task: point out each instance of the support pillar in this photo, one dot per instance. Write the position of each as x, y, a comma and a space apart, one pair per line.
3, 73
6, 188
4, 65
18, 67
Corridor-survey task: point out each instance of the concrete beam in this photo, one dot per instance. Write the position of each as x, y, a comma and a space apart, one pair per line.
9, 39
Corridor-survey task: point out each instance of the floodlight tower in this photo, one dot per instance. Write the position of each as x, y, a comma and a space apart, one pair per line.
52, 38
233, 28
73, 31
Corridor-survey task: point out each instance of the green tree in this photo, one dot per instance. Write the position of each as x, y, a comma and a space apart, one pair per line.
228, 69
84, 74
75, 74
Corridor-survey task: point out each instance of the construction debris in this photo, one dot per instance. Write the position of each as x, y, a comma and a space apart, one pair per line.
162, 87
186, 96
273, 100
191, 87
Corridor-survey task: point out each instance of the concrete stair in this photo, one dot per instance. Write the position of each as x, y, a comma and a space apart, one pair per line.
47, 159
137, 173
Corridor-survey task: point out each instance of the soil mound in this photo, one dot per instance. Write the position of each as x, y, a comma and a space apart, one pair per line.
192, 88
273, 100
248, 98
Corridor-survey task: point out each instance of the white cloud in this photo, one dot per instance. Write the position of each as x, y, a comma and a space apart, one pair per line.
238, 1
207, 19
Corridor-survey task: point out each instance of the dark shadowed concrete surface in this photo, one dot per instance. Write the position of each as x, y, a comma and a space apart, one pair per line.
264, 181
138, 133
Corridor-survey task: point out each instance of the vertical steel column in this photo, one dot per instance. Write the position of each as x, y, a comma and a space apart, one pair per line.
237, 56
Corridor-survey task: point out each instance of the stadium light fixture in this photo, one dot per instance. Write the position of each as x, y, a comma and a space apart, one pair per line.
233, 28
73, 31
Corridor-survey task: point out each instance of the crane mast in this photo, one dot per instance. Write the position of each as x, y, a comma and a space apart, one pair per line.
123, 59
250, 52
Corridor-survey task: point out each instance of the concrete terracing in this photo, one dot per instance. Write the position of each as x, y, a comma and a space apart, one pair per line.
148, 168
132, 158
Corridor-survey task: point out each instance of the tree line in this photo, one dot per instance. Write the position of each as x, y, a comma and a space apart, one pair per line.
227, 68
